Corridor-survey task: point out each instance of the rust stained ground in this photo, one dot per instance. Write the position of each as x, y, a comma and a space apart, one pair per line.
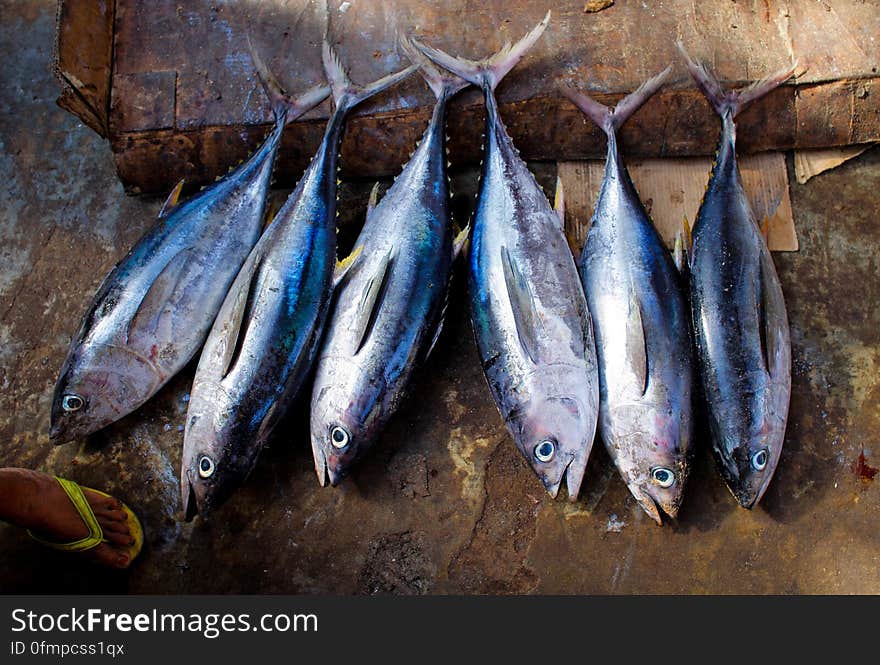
445, 504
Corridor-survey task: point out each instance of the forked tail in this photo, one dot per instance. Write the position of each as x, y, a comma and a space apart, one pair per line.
285, 106
732, 101
443, 84
610, 120
490, 71
345, 93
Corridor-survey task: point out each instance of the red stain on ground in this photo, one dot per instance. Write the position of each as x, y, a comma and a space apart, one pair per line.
863, 470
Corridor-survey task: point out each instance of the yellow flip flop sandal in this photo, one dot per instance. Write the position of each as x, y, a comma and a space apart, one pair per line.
96, 533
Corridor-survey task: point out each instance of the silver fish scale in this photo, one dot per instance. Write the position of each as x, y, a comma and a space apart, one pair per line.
154, 310
641, 320
742, 333
535, 342
264, 339
387, 310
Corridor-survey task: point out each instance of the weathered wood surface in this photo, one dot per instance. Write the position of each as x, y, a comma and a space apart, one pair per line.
83, 60
672, 191
186, 102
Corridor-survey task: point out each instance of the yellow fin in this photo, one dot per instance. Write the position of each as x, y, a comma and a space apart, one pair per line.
272, 210
460, 242
559, 201
374, 199
346, 264
688, 236
171, 202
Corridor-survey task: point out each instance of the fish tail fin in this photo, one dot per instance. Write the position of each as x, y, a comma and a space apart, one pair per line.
600, 114
732, 101
760, 88
345, 93
443, 83
610, 120
634, 101
491, 70
285, 106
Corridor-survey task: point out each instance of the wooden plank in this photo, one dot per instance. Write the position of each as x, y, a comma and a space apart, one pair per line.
143, 101
672, 190
217, 100
83, 60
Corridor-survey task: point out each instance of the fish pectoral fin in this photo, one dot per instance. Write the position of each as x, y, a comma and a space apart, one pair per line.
636, 346
772, 319
172, 200
346, 265
230, 337
437, 330
441, 319
460, 242
559, 202
525, 314
371, 300
155, 310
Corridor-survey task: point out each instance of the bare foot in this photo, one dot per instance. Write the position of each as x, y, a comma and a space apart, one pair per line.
36, 501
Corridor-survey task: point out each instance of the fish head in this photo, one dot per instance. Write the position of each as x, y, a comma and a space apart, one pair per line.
747, 463
344, 425
654, 458
555, 437
98, 385
658, 483
212, 464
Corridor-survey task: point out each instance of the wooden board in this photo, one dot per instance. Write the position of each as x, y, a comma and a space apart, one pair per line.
672, 189
183, 99
83, 60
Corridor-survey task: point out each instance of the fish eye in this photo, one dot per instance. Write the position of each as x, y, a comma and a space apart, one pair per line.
72, 403
339, 437
663, 477
545, 450
206, 466
759, 460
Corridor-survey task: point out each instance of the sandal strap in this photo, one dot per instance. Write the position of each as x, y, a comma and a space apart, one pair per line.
79, 501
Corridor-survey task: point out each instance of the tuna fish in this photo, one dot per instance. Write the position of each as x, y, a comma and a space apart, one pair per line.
265, 337
638, 303
388, 314
155, 308
529, 314
740, 322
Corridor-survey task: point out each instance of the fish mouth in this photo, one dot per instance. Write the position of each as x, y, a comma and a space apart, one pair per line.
59, 434
326, 474
322, 469
655, 508
55, 433
749, 500
746, 502
572, 479
649, 505
746, 494
190, 501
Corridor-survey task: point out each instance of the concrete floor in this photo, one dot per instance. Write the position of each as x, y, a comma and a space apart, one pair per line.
445, 504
